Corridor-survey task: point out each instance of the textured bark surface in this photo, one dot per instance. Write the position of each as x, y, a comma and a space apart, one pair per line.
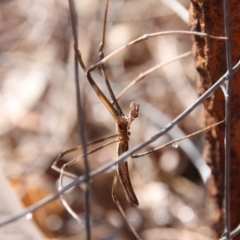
210, 59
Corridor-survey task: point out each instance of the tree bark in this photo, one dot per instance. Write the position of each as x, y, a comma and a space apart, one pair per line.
210, 60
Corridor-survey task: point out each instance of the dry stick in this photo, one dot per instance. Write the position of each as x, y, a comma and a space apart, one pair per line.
175, 142
103, 168
227, 219
141, 76
146, 37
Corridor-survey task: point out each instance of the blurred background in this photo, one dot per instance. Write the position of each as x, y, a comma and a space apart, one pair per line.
38, 118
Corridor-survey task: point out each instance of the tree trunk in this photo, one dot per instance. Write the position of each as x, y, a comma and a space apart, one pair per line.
210, 59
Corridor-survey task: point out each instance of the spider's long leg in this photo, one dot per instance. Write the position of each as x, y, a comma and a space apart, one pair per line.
62, 154
103, 98
175, 141
116, 201
98, 91
143, 75
102, 67
63, 173
115, 113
